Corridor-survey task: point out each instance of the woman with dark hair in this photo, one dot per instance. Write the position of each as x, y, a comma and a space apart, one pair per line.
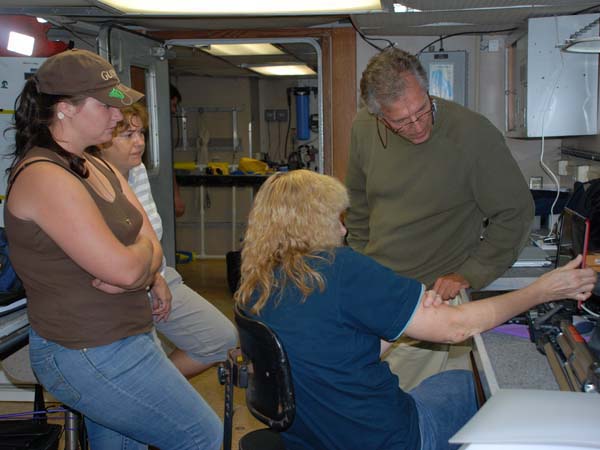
87, 256
336, 311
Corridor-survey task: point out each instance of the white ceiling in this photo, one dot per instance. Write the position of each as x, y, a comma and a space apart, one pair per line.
437, 18
481, 15
444, 17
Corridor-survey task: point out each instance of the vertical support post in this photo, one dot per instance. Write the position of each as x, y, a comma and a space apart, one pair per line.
250, 139
184, 130
39, 405
202, 224
228, 407
71, 430
233, 218
235, 144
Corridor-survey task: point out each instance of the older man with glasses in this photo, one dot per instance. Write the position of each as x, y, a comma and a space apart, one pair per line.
435, 194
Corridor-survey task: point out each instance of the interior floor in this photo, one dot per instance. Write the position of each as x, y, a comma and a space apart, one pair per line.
207, 277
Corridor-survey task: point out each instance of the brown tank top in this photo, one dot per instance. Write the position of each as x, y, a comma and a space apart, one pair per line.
62, 305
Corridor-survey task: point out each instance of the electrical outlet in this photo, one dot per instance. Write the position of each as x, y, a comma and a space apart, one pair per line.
281, 115
563, 167
269, 115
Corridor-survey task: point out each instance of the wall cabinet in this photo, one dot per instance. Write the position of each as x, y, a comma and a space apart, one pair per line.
550, 92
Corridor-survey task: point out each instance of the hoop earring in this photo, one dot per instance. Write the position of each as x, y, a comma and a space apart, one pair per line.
60, 115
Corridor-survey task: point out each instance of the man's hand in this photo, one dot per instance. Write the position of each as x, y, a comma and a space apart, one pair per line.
161, 299
448, 286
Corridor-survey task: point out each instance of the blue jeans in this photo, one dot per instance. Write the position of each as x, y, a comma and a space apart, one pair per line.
445, 402
130, 394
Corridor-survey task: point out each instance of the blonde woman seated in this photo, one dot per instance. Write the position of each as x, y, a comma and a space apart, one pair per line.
202, 334
336, 310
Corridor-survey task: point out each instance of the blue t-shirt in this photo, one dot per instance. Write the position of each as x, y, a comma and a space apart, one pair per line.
346, 397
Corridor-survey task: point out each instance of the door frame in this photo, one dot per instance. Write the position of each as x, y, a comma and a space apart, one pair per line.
338, 47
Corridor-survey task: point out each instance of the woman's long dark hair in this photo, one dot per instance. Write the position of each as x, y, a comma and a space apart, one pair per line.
33, 114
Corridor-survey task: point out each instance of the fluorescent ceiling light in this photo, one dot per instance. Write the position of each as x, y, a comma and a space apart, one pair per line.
400, 8
242, 7
281, 70
20, 43
240, 49
582, 45
41, 20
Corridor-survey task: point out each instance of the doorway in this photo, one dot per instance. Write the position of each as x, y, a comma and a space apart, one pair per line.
229, 113
225, 101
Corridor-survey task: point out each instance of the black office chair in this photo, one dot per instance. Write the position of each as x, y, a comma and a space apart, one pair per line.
260, 366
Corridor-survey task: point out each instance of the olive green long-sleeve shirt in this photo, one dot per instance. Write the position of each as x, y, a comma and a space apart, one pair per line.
419, 209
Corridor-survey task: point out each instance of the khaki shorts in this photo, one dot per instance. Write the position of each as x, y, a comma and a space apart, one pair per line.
413, 361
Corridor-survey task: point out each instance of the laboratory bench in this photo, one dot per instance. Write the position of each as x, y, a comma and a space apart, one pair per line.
14, 335
213, 225
186, 178
14, 332
524, 406
505, 359
14, 324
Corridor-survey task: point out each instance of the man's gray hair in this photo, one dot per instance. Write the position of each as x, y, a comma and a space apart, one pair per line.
382, 82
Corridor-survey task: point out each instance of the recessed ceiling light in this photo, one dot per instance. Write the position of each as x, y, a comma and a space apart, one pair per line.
400, 8
240, 49
20, 43
242, 7
281, 70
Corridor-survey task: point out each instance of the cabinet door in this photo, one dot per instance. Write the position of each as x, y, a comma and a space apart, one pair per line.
552, 93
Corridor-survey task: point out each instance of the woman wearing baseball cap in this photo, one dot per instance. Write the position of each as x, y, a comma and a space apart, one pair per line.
87, 255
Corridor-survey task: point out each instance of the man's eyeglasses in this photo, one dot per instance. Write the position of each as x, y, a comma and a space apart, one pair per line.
419, 117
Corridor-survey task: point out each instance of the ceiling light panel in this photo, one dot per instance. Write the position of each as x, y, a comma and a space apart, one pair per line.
282, 70
240, 49
402, 8
20, 43
242, 7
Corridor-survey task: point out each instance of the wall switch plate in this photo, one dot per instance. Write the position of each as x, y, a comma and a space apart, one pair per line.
281, 115
269, 115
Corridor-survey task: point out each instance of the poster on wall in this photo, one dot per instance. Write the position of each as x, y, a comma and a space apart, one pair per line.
447, 74
13, 73
441, 80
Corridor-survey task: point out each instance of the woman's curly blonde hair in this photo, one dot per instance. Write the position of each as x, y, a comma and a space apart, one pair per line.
295, 216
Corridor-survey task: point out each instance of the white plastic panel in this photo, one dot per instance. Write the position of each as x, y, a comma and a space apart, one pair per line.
562, 88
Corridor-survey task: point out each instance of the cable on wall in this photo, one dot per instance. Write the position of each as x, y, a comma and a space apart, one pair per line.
368, 40
441, 38
544, 166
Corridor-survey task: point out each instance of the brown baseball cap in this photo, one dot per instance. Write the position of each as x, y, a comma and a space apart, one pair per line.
81, 72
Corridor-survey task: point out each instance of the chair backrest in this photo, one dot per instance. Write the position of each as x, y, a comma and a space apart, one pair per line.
270, 393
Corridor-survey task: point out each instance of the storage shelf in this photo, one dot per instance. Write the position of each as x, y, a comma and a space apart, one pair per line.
584, 154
